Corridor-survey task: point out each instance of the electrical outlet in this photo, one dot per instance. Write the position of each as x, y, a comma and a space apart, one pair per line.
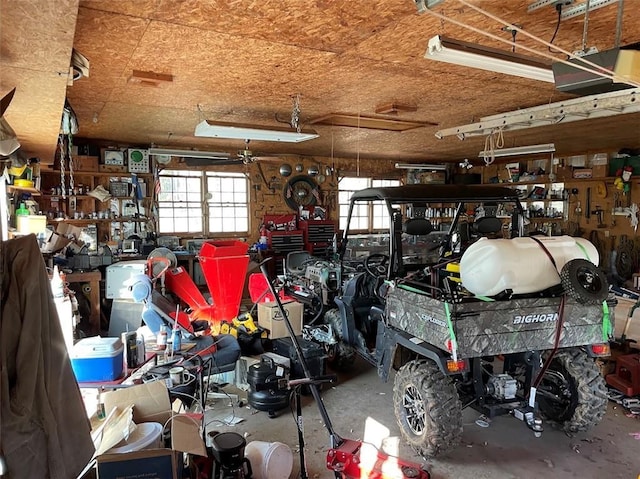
606, 233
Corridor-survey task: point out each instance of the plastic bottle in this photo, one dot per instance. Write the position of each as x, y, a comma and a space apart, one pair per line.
142, 352
57, 284
22, 210
176, 340
161, 338
21, 213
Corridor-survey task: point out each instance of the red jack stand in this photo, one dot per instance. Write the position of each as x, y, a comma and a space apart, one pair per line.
626, 379
345, 460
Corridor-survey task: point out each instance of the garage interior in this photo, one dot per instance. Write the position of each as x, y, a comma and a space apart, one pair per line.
358, 93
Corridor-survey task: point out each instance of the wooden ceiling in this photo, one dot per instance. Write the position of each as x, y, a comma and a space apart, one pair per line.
245, 61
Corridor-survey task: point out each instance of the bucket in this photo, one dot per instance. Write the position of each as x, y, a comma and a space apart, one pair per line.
146, 435
269, 459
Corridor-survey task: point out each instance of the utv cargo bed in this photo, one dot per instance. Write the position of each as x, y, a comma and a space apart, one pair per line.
484, 328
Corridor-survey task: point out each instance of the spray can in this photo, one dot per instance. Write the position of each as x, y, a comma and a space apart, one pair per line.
129, 339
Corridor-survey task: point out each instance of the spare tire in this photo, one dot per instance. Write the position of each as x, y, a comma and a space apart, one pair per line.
584, 281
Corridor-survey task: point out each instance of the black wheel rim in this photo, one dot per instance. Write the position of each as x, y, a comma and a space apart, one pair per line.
555, 394
414, 409
589, 280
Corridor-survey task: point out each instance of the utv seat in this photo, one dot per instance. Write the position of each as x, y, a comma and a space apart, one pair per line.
296, 261
487, 226
417, 227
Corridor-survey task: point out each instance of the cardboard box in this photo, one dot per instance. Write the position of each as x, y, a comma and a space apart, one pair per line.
270, 317
64, 234
582, 173
151, 463
564, 173
150, 401
600, 171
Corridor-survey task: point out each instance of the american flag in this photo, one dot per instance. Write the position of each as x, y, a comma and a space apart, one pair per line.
157, 189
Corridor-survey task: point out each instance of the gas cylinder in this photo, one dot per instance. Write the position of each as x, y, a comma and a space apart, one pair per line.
491, 266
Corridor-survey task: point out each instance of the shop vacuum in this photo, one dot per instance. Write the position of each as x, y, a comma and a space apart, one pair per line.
343, 455
264, 395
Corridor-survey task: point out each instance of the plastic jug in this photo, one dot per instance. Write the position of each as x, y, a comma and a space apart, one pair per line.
57, 283
490, 266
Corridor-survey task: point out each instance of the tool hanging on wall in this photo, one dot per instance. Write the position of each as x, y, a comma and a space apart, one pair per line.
587, 213
625, 260
599, 212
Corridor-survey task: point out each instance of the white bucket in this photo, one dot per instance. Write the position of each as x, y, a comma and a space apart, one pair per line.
269, 460
146, 435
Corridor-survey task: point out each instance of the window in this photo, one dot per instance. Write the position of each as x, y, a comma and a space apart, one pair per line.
196, 202
228, 203
366, 216
180, 202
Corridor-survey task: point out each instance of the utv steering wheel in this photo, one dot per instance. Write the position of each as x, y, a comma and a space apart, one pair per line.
376, 265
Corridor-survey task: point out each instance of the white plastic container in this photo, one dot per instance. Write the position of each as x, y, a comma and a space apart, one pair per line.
146, 435
490, 266
269, 460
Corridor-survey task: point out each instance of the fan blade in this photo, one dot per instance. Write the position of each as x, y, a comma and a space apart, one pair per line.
4, 102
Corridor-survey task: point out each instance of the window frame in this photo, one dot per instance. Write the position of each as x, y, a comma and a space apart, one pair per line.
204, 202
246, 205
371, 227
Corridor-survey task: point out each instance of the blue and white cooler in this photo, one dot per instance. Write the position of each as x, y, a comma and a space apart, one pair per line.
97, 359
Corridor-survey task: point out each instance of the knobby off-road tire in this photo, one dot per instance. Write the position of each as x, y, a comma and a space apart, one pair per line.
341, 355
581, 394
427, 408
584, 281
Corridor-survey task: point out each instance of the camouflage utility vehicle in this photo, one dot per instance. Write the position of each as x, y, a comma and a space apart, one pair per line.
470, 311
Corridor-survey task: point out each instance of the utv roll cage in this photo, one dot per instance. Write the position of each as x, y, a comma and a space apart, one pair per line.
420, 196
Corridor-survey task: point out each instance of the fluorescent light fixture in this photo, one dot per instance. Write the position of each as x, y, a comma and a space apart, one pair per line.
214, 155
519, 150
447, 50
575, 109
420, 166
240, 131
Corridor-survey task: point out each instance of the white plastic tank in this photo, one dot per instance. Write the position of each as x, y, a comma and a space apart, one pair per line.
490, 266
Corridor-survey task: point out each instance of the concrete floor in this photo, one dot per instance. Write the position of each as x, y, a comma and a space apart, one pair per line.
505, 449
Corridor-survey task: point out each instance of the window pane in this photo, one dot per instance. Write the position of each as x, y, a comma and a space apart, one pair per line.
228, 206
179, 203
366, 216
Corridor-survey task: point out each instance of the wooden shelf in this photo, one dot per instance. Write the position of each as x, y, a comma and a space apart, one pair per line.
97, 173
545, 220
18, 189
80, 197
86, 221
546, 200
